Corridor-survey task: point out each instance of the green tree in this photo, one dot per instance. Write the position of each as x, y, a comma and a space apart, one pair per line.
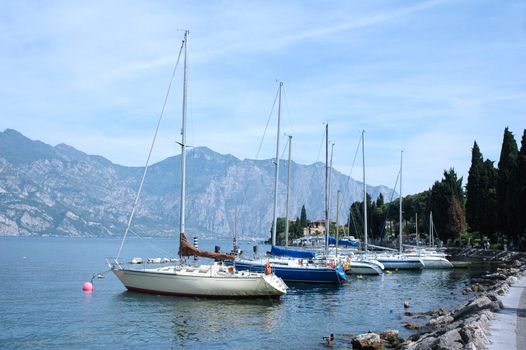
507, 162
355, 219
380, 200
303, 217
474, 190
488, 200
444, 202
517, 196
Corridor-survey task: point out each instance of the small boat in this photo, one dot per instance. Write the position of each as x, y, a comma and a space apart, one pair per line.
136, 260
216, 280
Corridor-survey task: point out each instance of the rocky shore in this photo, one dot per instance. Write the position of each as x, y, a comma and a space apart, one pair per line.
465, 327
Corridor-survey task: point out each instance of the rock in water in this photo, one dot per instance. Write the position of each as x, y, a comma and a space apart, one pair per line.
367, 341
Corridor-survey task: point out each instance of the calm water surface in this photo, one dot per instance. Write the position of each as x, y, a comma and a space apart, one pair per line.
42, 305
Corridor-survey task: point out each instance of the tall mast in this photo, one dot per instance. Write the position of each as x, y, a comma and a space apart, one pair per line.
337, 218
364, 194
401, 224
326, 189
330, 185
276, 171
431, 229
416, 229
287, 201
183, 145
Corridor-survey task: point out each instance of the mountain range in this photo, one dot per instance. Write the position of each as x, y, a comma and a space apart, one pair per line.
59, 190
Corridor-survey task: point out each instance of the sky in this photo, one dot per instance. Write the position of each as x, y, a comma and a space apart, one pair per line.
425, 77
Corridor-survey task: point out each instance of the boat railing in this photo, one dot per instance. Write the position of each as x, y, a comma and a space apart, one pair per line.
114, 263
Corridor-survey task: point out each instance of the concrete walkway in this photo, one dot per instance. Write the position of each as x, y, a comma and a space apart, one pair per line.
508, 328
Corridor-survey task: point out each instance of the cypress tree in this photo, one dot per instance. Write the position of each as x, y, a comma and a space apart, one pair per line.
380, 200
303, 217
507, 163
488, 200
474, 190
517, 197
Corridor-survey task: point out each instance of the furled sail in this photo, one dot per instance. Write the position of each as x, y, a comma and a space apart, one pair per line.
188, 249
281, 251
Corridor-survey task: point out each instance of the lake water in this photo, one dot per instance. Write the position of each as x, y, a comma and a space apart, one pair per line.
42, 305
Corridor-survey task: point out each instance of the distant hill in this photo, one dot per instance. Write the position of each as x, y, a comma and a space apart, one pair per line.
62, 191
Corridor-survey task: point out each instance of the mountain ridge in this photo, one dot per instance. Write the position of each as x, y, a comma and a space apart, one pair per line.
60, 190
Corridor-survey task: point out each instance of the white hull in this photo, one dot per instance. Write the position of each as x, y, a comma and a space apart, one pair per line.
400, 262
364, 268
203, 281
435, 262
431, 259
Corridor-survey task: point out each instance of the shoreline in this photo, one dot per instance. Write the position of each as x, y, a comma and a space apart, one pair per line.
476, 325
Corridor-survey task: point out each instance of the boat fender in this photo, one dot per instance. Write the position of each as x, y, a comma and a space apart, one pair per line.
331, 264
347, 264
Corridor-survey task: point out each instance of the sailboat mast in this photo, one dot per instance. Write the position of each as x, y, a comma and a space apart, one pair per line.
183, 146
364, 194
401, 224
431, 228
337, 219
287, 201
326, 189
416, 229
276, 172
330, 186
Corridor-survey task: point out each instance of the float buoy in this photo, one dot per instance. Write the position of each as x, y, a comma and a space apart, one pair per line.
87, 287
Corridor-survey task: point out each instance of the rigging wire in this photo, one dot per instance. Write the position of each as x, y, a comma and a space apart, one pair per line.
389, 206
156, 248
150, 152
321, 145
266, 126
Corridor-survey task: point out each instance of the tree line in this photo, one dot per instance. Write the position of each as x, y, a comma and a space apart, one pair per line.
491, 207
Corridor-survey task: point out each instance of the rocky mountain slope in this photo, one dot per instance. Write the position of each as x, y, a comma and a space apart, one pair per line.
62, 191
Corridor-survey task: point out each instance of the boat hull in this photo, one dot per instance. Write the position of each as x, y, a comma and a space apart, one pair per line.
169, 281
401, 264
433, 262
363, 268
296, 274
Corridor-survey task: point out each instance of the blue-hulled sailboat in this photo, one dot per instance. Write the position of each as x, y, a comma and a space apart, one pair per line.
294, 265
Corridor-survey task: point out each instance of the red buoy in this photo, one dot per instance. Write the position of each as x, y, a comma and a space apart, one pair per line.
87, 287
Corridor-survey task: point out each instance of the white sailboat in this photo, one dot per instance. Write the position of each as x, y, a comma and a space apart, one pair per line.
431, 258
400, 261
215, 280
363, 264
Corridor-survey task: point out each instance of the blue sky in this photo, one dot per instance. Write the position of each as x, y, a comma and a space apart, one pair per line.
428, 77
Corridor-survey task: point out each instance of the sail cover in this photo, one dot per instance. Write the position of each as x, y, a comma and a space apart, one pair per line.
301, 254
346, 242
187, 249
